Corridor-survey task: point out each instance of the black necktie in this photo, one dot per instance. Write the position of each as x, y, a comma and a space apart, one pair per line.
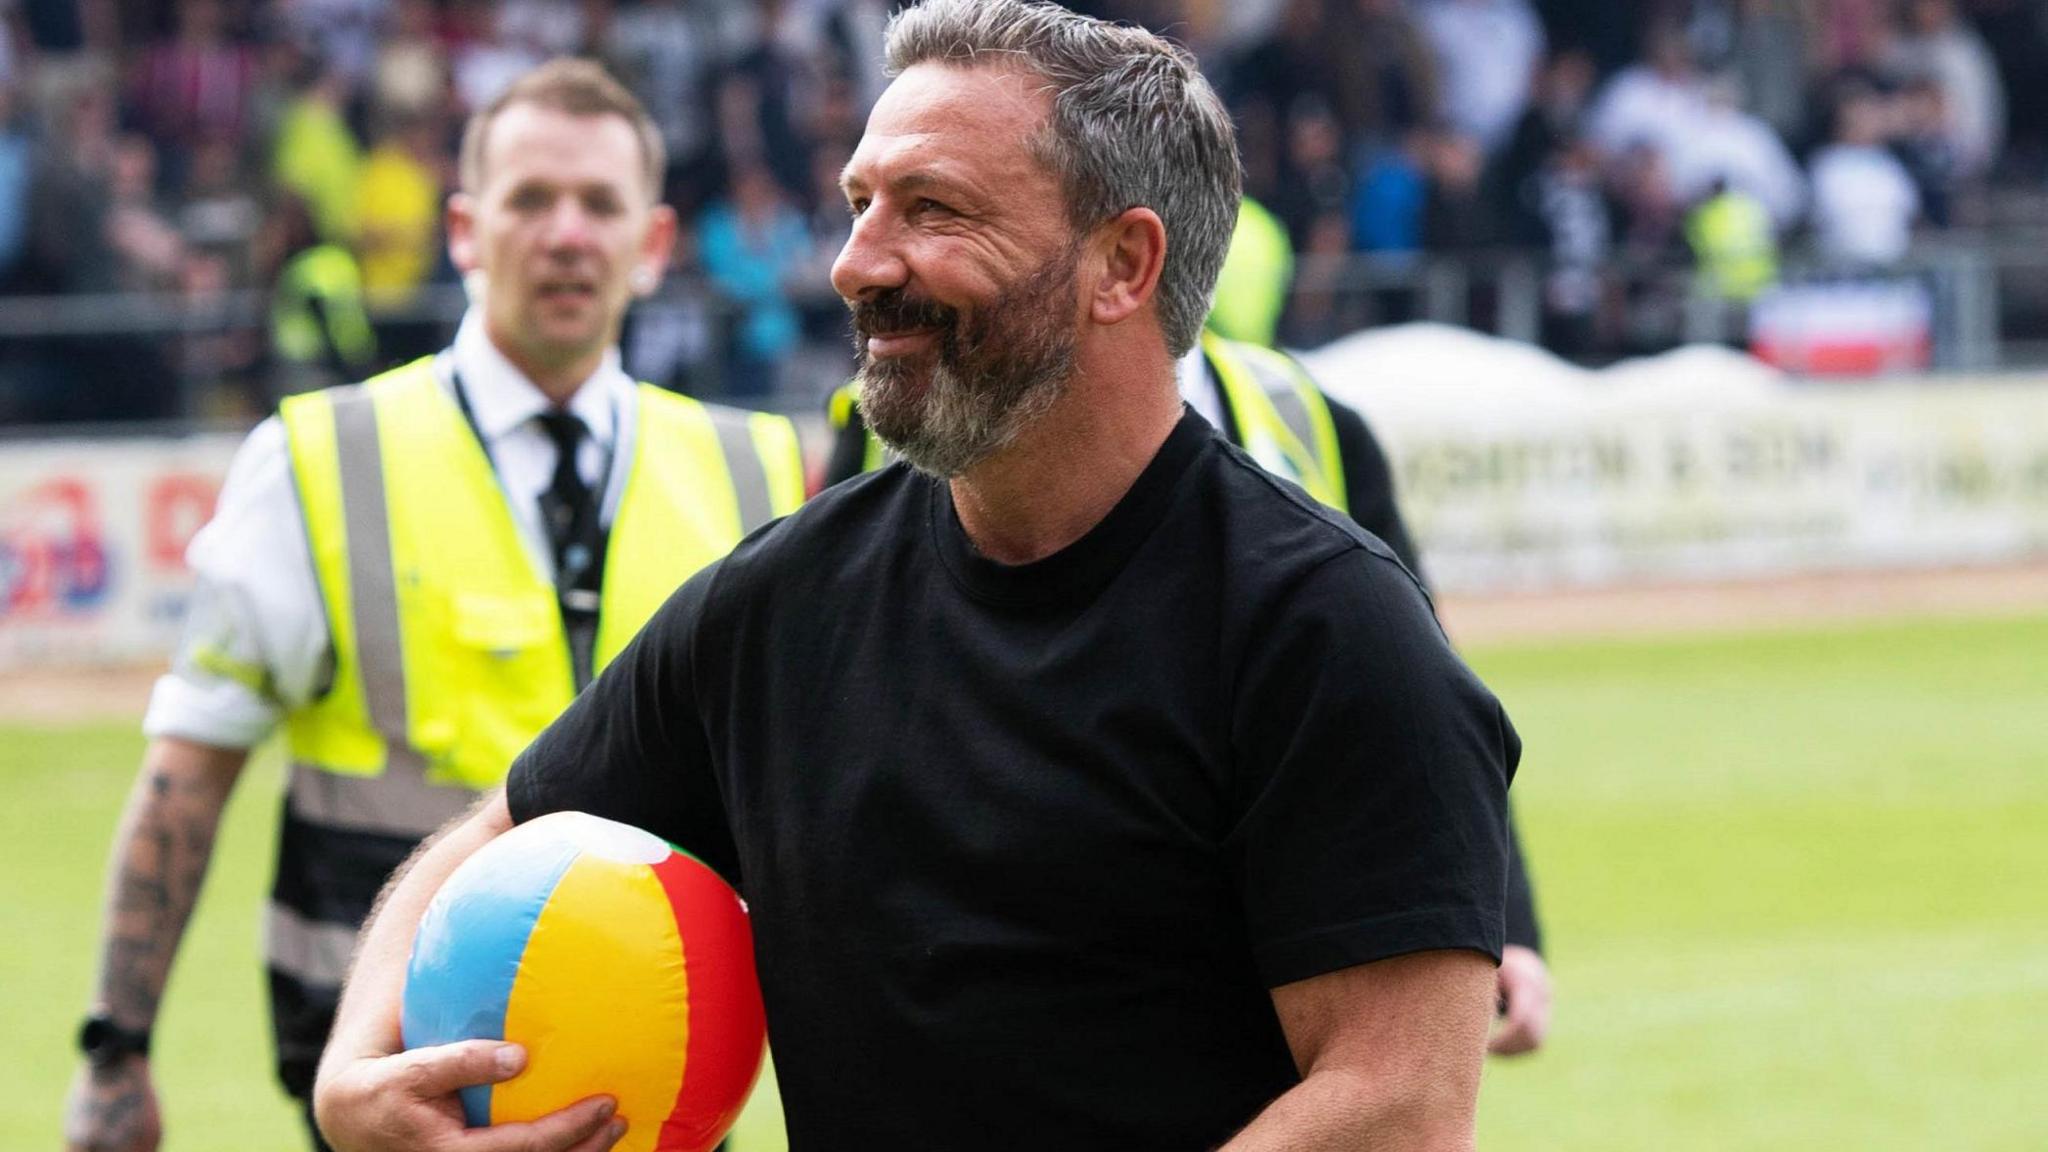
568, 510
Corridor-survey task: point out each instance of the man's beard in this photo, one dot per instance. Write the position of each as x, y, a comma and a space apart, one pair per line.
989, 378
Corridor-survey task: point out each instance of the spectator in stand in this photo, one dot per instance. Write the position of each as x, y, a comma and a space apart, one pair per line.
664, 51
1864, 201
398, 211
218, 212
10, 54
16, 170
1654, 103
316, 156
1938, 45
147, 246
1572, 224
194, 84
752, 244
1454, 216
1610, 31
70, 196
760, 102
1292, 62
1312, 202
1927, 149
344, 33
2016, 31
1727, 149
547, 28
1854, 37
484, 62
1554, 121
410, 78
319, 333
1770, 60
1487, 52
84, 203
1387, 205
1388, 84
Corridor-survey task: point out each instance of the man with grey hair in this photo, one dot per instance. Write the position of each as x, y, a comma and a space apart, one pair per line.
1090, 787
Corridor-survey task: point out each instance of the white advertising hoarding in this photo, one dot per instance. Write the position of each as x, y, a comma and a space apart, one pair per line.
1702, 465
92, 544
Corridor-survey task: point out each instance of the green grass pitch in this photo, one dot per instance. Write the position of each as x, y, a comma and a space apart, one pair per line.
1796, 886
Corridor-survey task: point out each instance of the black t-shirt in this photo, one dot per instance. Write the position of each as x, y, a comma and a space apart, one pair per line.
1369, 493
1026, 846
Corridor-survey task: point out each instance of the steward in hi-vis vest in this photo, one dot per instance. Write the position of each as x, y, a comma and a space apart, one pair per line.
409, 578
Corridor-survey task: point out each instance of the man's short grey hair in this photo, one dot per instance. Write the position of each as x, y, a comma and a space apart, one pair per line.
1133, 125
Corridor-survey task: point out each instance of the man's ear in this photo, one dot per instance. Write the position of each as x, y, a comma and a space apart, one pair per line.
656, 248
1133, 251
460, 217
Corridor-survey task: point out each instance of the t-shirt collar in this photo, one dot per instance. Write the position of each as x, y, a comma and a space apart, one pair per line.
1076, 573
502, 398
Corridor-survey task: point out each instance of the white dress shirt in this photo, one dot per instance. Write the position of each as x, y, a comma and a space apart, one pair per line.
256, 601
1199, 389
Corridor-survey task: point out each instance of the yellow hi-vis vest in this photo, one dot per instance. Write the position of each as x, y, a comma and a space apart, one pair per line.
1735, 246
1251, 288
449, 650
1283, 420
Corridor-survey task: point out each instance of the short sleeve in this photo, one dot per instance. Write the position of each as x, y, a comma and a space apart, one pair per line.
632, 746
254, 640
1372, 774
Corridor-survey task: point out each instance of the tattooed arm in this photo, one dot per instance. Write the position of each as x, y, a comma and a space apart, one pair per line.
160, 855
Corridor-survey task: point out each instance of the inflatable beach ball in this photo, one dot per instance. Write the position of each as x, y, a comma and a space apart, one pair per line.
624, 966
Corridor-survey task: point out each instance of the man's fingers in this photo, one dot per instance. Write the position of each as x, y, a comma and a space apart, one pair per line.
1513, 1037
607, 1135
585, 1126
439, 1070
1525, 990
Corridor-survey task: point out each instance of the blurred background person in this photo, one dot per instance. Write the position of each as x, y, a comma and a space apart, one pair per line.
320, 334
1864, 200
1937, 45
1488, 52
752, 243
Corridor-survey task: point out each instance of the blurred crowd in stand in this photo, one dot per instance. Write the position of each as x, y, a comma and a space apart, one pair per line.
289, 158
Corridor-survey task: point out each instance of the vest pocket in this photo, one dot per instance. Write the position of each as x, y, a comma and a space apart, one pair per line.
504, 625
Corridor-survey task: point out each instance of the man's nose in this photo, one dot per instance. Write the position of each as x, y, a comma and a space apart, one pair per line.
871, 261
568, 224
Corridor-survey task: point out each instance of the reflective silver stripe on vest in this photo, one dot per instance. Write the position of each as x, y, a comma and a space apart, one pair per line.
373, 593
399, 802
1280, 388
743, 462
308, 951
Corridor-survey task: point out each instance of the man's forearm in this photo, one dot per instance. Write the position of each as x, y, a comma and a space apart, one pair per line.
366, 1024
1390, 1055
161, 852
1338, 1112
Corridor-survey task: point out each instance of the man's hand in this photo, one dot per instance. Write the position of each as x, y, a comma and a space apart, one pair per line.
407, 1103
113, 1109
1525, 989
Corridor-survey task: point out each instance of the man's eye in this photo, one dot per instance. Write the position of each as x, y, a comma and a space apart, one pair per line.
528, 200
926, 206
857, 205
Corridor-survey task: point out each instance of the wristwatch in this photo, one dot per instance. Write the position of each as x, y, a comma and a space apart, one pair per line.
105, 1043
